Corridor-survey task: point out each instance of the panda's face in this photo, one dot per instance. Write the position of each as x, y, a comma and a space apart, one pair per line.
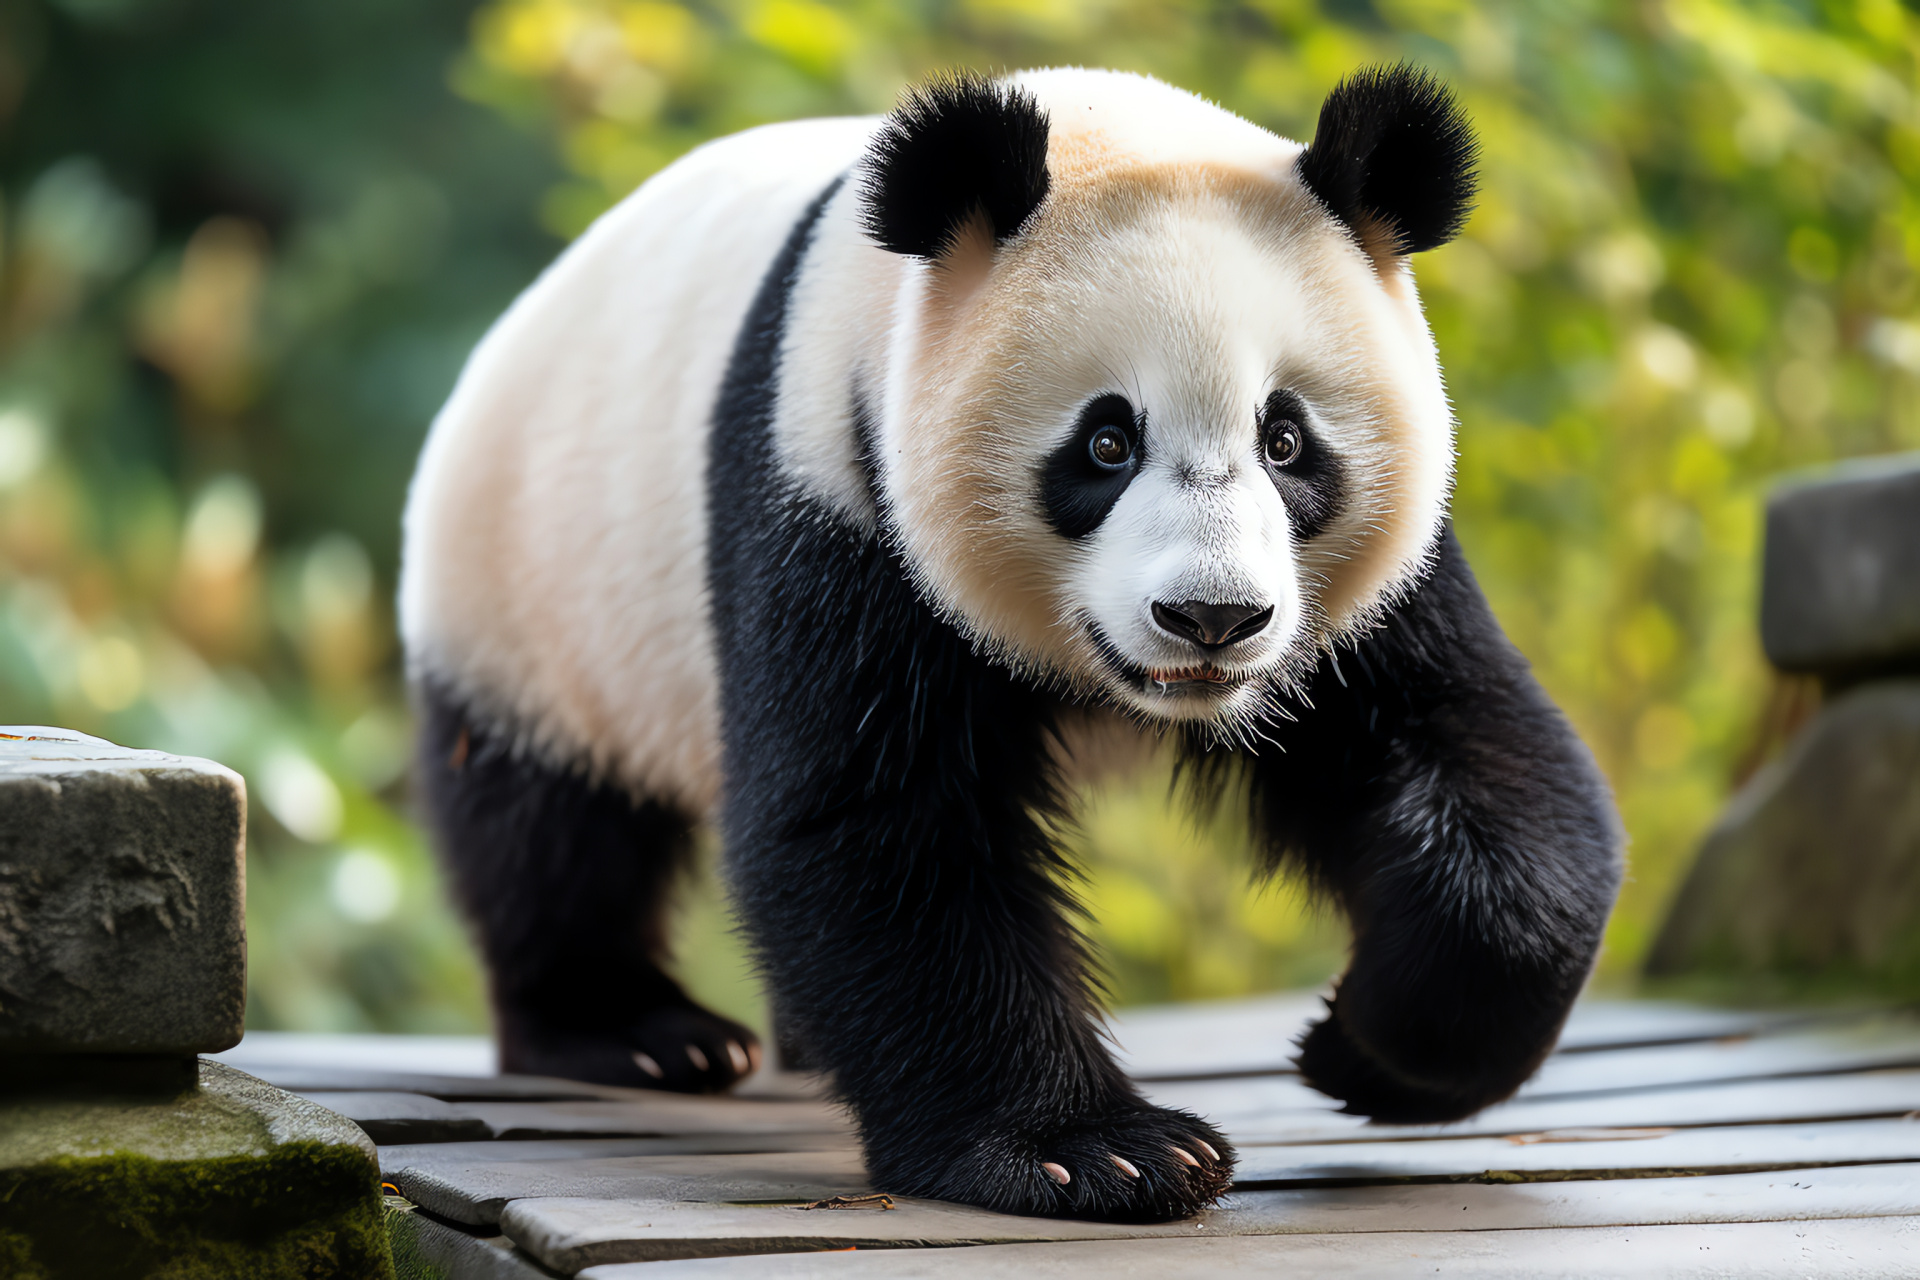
1169, 443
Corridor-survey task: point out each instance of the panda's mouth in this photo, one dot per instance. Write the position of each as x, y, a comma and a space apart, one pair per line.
1202, 674
1199, 677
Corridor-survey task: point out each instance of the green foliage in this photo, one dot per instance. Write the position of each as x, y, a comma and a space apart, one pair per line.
246, 246
243, 251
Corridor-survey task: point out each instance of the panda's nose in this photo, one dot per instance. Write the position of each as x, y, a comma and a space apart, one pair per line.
1212, 626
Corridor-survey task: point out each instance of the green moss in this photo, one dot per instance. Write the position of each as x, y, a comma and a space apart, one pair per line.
307, 1209
410, 1262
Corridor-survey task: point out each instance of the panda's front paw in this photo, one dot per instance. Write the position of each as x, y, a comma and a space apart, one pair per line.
1334, 1062
1137, 1164
681, 1047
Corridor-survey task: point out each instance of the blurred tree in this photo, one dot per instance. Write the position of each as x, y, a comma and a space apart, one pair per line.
246, 247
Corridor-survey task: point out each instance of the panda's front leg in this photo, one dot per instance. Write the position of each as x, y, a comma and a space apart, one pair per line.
883, 790
1428, 783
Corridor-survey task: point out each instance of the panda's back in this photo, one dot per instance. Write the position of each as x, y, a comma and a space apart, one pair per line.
554, 563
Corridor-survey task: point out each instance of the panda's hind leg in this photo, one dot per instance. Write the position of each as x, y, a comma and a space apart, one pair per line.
567, 883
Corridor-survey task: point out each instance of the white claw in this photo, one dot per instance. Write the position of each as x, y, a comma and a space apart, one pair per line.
738, 1057
1124, 1166
649, 1066
697, 1058
1211, 1153
1184, 1157
1057, 1172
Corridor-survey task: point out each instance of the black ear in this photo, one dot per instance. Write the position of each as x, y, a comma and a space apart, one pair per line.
1393, 156
953, 146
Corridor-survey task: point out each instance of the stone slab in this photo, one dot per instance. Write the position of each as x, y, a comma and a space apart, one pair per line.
404, 1117
297, 1079
1565, 1154
476, 1193
1815, 866
657, 1115
1855, 1249
1840, 586
457, 1154
569, 1235
122, 926
1250, 1111
229, 1170
1873, 1045
1256, 1035
474, 1185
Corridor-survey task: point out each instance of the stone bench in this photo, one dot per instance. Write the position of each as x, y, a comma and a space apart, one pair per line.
1812, 874
122, 957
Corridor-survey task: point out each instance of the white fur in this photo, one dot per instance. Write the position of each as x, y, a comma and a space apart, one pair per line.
555, 557
555, 560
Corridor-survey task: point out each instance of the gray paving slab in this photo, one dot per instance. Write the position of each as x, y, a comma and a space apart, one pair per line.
1885, 1042
1256, 1035
1857, 1249
439, 1155
1874, 1045
1584, 1153
645, 1115
305, 1079
573, 1234
403, 1117
1269, 1110
476, 1191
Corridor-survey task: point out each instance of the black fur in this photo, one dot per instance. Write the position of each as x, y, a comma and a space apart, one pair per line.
882, 813
567, 884
1076, 491
1313, 485
1429, 785
1393, 154
950, 148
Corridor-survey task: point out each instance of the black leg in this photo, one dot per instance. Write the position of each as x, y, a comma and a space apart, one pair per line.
1428, 784
909, 910
567, 885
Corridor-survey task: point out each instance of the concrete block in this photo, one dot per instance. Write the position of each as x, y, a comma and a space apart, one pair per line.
1841, 583
122, 898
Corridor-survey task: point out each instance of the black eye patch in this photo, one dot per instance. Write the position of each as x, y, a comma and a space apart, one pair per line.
1311, 480
1085, 476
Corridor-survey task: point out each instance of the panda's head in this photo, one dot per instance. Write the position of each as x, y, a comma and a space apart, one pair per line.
1161, 417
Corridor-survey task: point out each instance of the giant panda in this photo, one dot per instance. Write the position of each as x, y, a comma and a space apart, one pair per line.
862, 486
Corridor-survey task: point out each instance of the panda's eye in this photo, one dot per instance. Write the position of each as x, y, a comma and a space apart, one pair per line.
1110, 447
1285, 440
1088, 471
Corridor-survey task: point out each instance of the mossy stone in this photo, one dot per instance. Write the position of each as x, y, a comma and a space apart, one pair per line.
231, 1180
